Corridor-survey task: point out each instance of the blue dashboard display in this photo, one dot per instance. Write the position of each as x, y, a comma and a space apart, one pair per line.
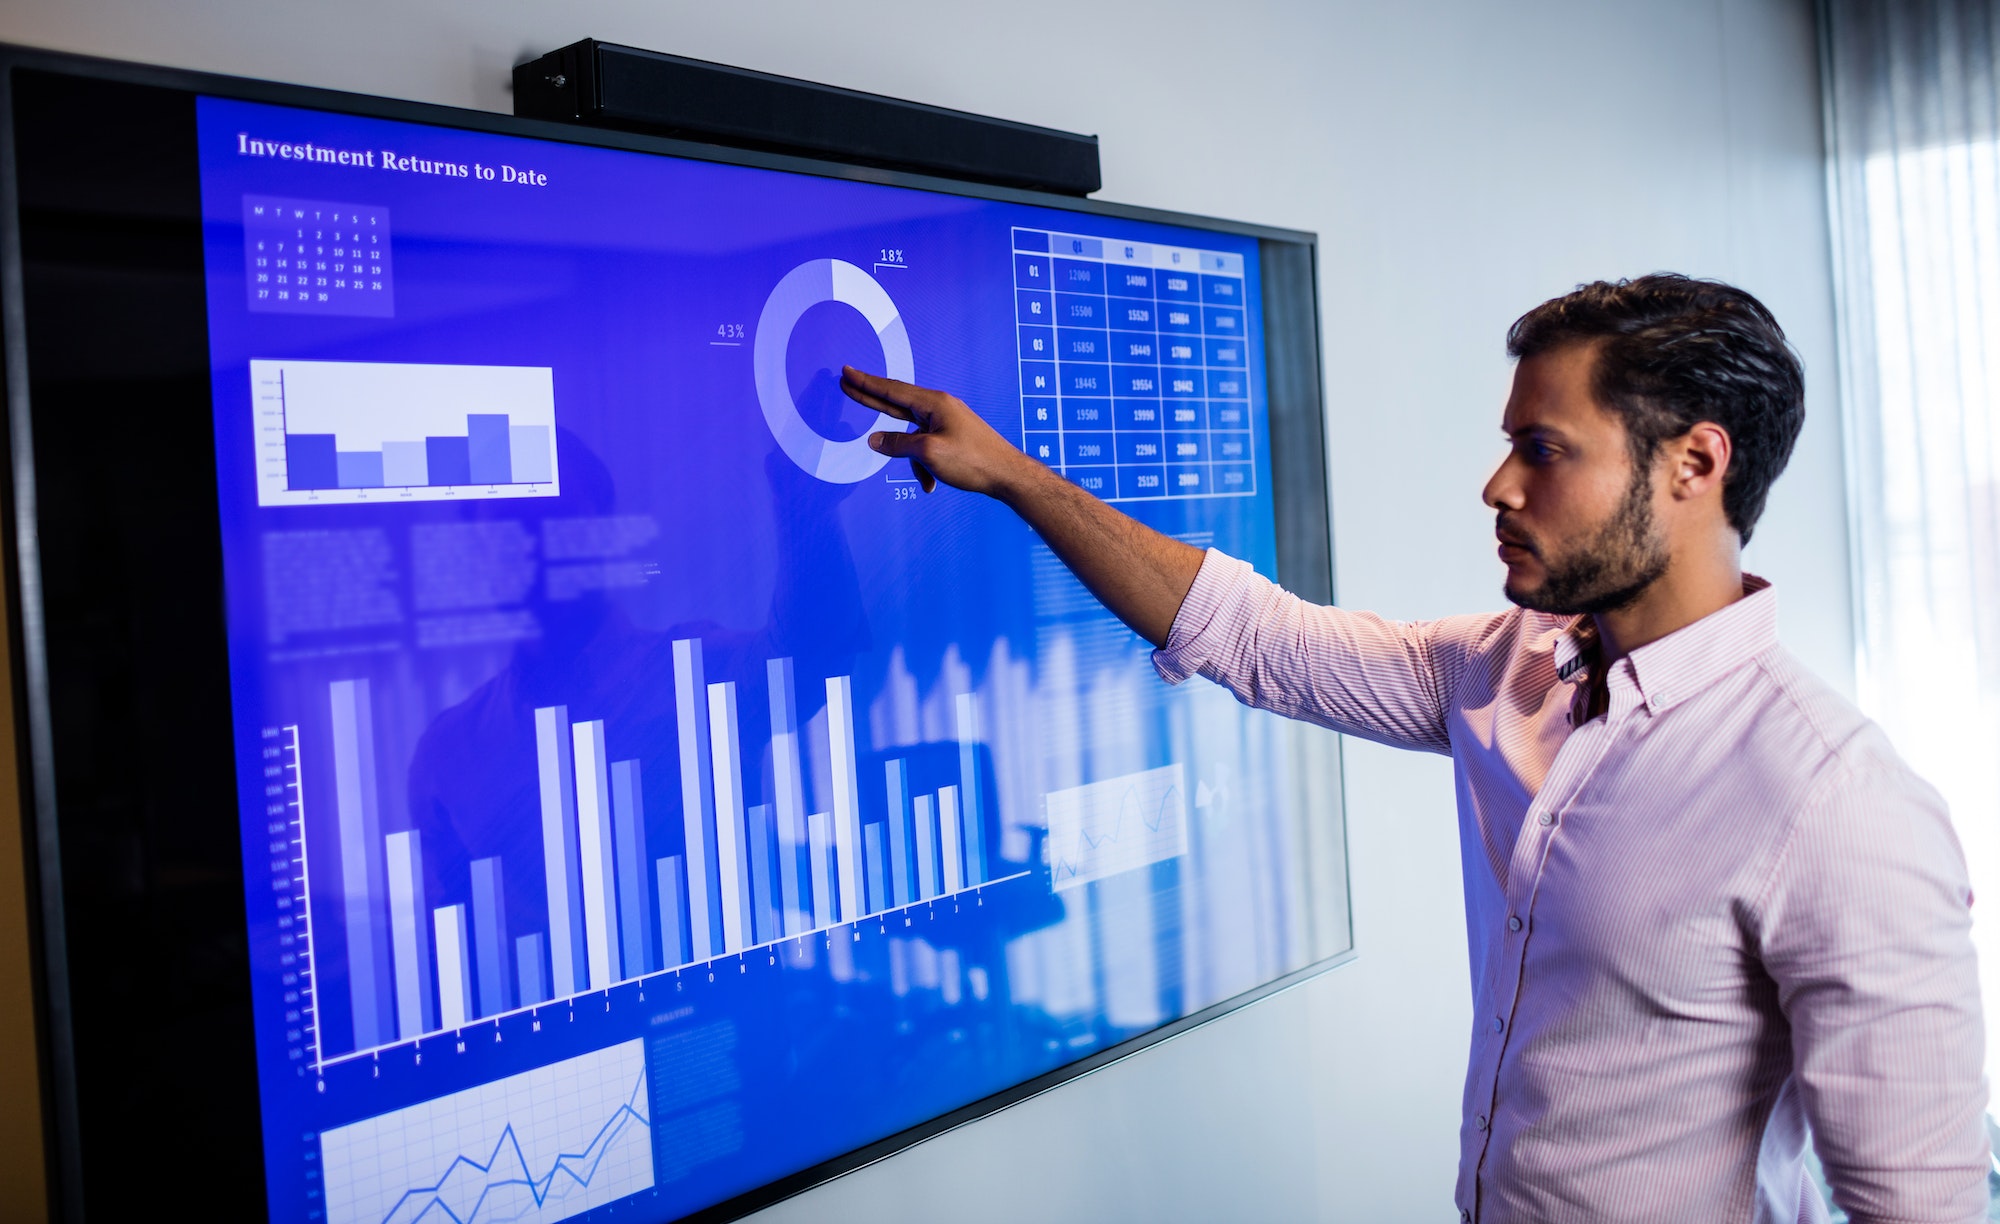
648, 793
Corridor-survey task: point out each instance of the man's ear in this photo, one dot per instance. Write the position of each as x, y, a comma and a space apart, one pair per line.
1700, 459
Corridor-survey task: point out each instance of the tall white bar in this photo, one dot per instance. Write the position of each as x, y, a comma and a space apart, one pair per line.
568, 957
788, 783
593, 815
846, 796
954, 869
356, 809
819, 834
924, 846
731, 863
414, 1013
968, 781
704, 894
454, 967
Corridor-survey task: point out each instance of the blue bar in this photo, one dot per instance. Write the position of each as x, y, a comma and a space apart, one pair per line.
529, 966
448, 460
310, 462
1030, 240
1031, 272
763, 904
871, 853
359, 469
363, 890
487, 449
529, 446
1137, 316
897, 780
1222, 290
673, 903
1123, 280
403, 465
972, 797
1086, 414
1074, 276
1078, 310
635, 902
489, 936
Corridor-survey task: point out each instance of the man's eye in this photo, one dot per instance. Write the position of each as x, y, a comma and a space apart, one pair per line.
1536, 452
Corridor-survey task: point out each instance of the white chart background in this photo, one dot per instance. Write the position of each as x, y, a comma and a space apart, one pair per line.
366, 403
371, 1167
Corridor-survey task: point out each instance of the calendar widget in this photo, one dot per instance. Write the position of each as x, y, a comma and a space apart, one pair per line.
317, 257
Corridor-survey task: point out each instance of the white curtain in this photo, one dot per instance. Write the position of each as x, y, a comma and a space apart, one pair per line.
1913, 131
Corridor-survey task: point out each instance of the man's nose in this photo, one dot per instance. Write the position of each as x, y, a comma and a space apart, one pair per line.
1502, 491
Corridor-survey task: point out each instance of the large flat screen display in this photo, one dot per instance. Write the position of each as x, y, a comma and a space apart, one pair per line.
648, 796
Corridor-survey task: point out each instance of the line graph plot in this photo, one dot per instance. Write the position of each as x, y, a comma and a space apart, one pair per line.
1103, 828
540, 1146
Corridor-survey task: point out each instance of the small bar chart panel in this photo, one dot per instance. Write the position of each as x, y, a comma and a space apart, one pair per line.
355, 431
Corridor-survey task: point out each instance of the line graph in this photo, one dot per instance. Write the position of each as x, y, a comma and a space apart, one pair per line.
1103, 828
542, 1145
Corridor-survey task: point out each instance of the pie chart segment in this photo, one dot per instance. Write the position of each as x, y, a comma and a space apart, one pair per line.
826, 280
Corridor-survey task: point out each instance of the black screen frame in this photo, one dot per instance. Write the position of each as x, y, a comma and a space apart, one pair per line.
84, 626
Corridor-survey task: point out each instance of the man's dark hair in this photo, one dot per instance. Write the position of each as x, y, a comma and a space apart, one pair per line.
1678, 351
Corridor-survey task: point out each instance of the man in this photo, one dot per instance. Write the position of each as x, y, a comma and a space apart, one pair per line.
1707, 902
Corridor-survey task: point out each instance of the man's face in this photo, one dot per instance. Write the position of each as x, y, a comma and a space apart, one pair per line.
1575, 517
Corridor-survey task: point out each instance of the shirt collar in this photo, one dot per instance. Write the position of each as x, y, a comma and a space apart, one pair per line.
1690, 658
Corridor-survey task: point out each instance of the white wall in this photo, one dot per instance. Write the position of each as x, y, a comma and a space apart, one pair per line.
1461, 161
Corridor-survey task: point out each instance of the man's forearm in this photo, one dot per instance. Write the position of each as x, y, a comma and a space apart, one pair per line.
1140, 574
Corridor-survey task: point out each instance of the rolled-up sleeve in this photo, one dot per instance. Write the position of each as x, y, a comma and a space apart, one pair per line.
1351, 671
1867, 933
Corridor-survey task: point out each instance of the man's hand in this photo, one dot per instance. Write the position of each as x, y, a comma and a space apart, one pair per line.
951, 442
1141, 575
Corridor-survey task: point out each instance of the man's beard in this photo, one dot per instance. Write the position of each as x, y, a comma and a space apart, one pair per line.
1608, 571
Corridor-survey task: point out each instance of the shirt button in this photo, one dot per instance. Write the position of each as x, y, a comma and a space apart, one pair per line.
1498, 1024
1513, 922
1480, 1122
1547, 819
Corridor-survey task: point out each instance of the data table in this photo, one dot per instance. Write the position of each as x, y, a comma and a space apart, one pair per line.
1135, 377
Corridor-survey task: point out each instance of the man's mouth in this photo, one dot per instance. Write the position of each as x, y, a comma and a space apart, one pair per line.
1513, 546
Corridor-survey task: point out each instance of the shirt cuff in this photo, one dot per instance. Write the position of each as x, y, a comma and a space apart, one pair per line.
1190, 640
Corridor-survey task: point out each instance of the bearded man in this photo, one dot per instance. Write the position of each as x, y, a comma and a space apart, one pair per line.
1713, 917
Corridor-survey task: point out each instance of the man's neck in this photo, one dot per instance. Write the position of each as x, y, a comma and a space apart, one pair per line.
1678, 598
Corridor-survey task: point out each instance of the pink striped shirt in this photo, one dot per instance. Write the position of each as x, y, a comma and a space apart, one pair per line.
1722, 911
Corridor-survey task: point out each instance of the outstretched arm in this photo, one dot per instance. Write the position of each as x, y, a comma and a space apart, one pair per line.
1138, 573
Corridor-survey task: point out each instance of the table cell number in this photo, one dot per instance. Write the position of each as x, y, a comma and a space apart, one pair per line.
317, 257
1135, 373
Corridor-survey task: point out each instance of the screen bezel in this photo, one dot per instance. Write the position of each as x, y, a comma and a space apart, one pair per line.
1295, 382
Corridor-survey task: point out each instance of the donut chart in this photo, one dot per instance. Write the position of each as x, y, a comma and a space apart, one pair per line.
806, 286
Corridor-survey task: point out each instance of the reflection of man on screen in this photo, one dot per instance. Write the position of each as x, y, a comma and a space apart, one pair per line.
1709, 906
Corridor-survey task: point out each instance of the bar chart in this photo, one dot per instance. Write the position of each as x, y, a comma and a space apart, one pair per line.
353, 431
749, 870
